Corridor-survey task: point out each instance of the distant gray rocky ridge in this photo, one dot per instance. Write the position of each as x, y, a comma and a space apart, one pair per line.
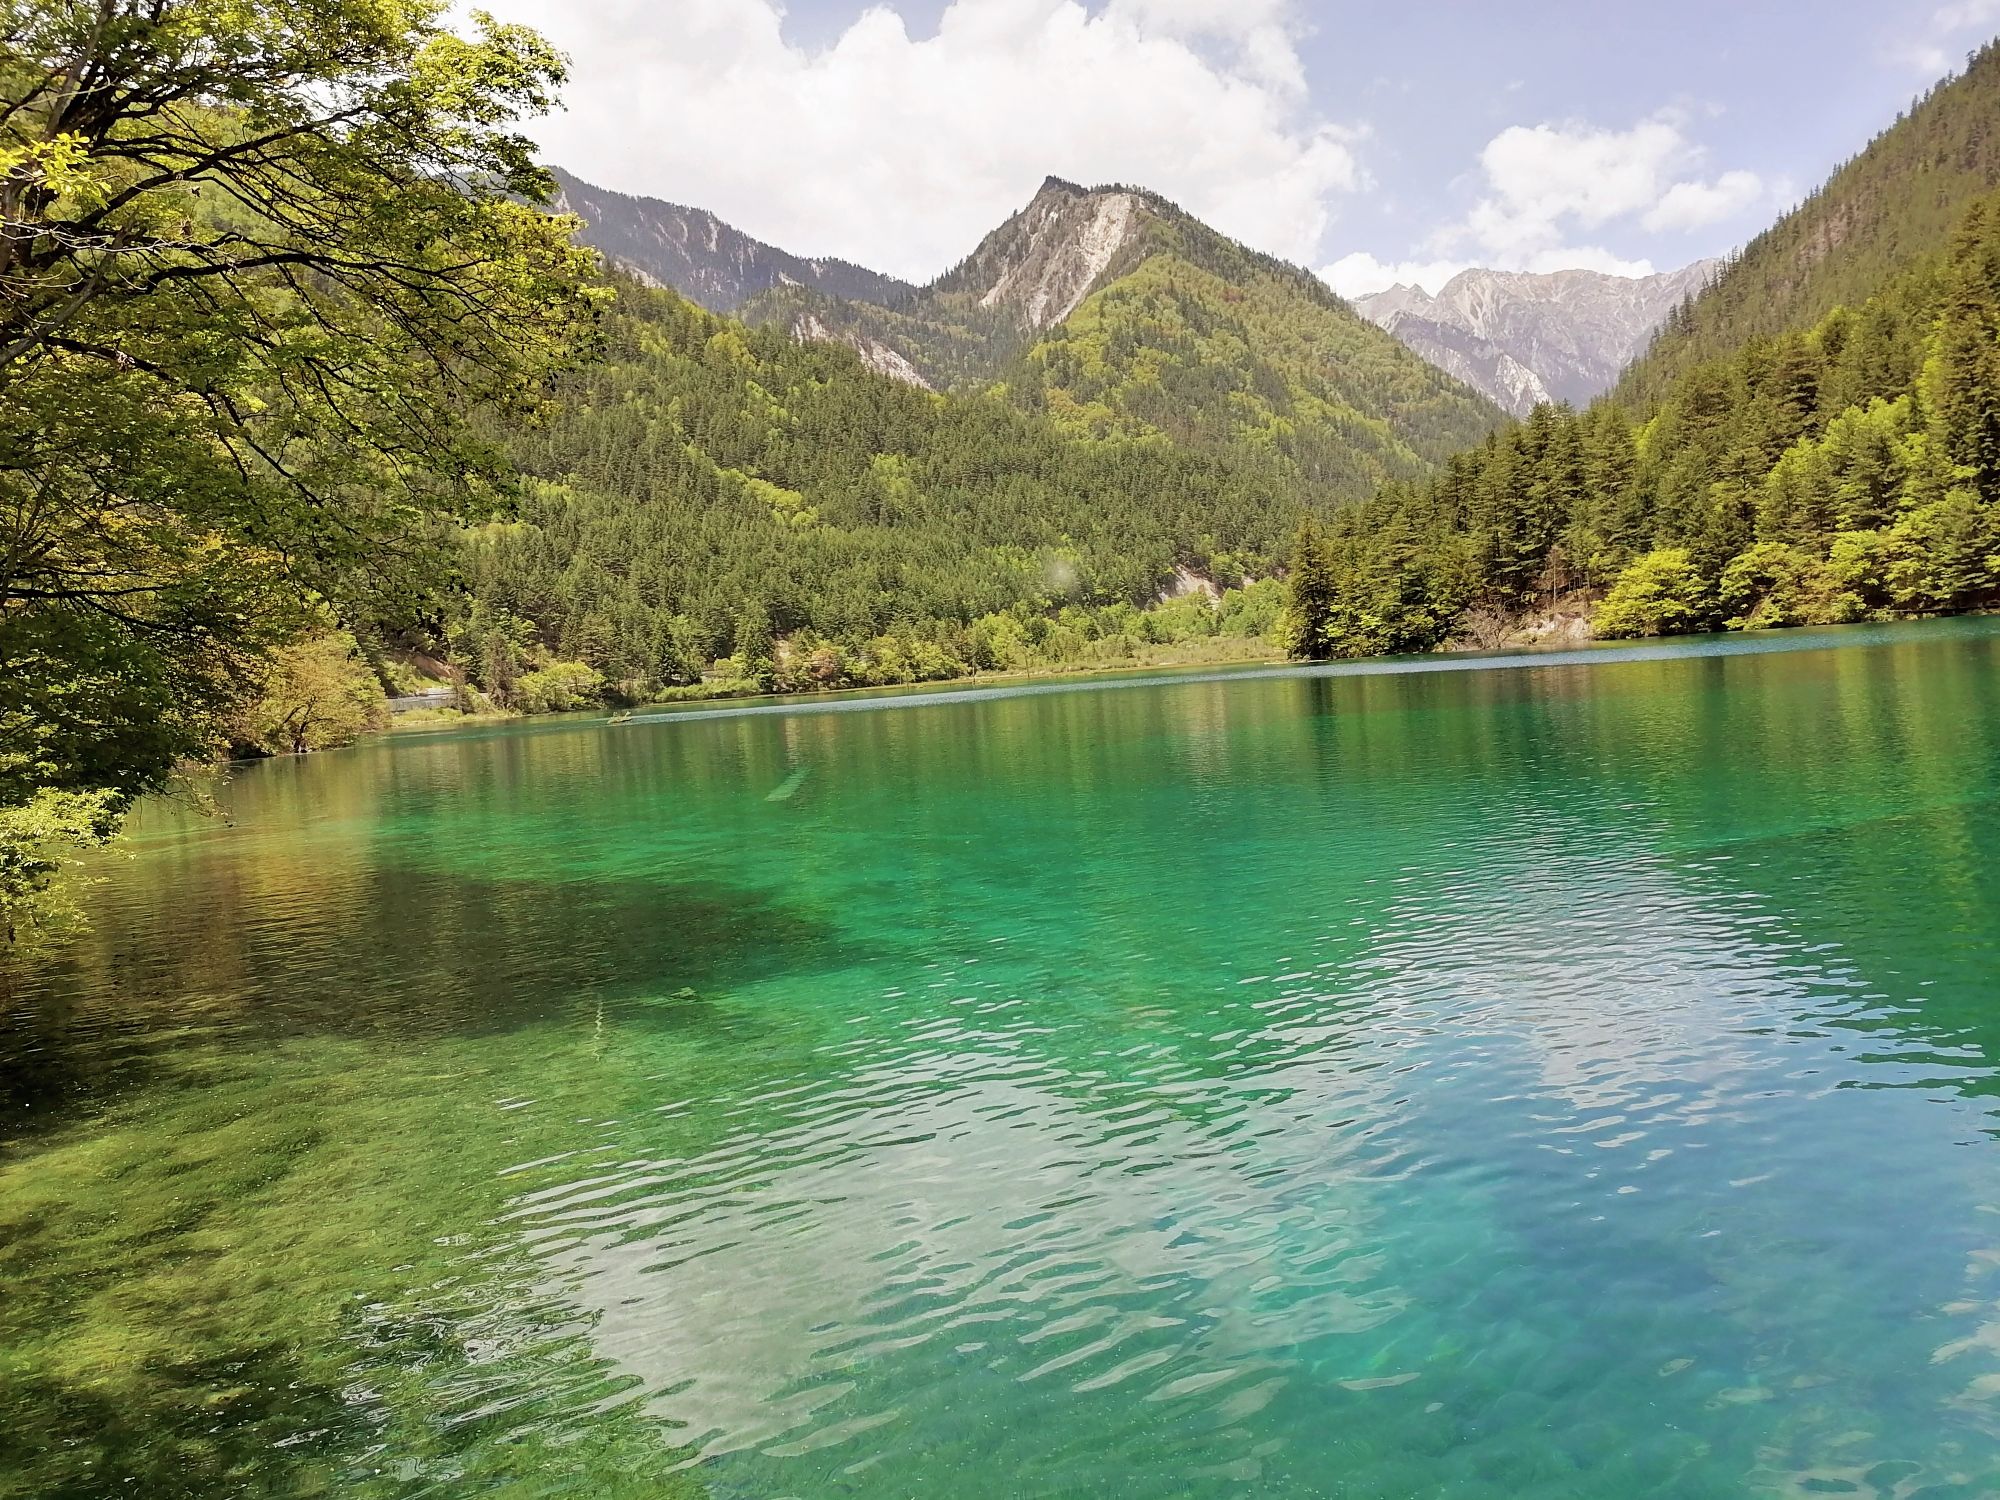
1523, 337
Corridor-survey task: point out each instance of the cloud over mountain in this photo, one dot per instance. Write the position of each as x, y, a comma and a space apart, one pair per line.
898, 151
1546, 191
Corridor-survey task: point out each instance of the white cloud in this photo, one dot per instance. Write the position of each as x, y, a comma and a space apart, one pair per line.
1263, 33
1936, 51
1359, 274
1546, 190
1695, 205
1588, 258
1966, 14
1540, 176
1544, 181
900, 152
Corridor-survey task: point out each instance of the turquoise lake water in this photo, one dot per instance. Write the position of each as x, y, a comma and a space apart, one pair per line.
1564, 1078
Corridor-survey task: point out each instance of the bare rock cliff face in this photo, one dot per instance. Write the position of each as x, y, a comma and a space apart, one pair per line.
1523, 338
1046, 259
809, 328
704, 259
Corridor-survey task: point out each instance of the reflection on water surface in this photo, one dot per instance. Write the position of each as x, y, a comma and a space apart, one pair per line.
1571, 1080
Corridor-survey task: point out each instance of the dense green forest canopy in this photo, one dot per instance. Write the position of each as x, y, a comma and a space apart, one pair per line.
1885, 212
259, 266
706, 481
1847, 472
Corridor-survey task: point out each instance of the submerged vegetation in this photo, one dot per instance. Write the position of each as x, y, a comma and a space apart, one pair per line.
208, 1294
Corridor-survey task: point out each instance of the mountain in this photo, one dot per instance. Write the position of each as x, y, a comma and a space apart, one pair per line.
1892, 207
705, 484
1524, 338
1108, 310
1114, 313
1130, 414
1812, 440
702, 258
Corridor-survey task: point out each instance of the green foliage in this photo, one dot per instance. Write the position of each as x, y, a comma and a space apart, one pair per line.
1311, 596
1236, 354
1661, 593
755, 647
559, 687
254, 278
317, 694
1885, 213
41, 840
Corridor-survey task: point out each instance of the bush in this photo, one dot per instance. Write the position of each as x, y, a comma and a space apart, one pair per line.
1771, 586
1661, 593
559, 687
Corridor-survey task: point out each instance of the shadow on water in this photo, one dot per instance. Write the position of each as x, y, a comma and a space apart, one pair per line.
1408, 1034
387, 954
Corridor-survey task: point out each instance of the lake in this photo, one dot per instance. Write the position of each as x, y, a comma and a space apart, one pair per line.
1572, 1078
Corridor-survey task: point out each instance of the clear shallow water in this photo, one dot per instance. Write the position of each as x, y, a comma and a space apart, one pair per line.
1565, 1080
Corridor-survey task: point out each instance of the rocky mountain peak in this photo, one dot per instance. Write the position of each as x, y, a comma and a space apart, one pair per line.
1046, 259
703, 258
1525, 337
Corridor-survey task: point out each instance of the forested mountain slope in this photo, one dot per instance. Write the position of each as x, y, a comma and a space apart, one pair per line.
701, 257
1107, 402
706, 485
1114, 313
1847, 472
1890, 208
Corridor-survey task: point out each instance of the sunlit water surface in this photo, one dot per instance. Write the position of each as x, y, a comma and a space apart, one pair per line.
1574, 1079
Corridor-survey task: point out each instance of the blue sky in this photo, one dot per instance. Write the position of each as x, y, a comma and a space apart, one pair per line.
1369, 142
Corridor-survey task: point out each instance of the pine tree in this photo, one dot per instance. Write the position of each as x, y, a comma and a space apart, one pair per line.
1312, 595
1963, 377
756, 648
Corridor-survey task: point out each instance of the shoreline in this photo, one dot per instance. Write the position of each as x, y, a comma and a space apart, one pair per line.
973, 688
1267, 655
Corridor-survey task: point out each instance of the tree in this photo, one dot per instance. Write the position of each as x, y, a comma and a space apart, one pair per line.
317, 694
1311, 596
1771, 585
1661, 593
262, 269
756, 648
678, 656
1962, 377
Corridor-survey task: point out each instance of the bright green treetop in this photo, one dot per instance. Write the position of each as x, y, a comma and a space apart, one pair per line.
261, 261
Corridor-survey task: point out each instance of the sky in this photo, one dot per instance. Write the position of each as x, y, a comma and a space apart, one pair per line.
1373, 143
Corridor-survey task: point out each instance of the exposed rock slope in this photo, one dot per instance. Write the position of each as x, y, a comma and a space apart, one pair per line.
701, 257
1523, 338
